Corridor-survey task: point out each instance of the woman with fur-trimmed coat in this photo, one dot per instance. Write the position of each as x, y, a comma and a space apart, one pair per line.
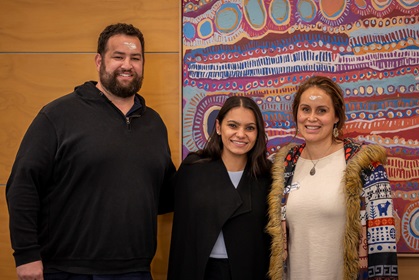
330, 206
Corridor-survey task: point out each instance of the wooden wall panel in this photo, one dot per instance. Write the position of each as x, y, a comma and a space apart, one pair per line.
408, 268
161, 89
7, 263
73, 26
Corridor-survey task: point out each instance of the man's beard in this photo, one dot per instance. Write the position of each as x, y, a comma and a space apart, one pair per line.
110, 82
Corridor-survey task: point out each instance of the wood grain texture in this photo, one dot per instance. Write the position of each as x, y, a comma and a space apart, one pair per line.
7, 263
70, 26
408, 268
161, 90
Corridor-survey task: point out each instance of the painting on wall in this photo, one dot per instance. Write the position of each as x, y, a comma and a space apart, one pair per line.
265, 48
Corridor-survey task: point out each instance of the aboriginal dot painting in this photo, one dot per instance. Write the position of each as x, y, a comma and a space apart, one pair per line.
265, 48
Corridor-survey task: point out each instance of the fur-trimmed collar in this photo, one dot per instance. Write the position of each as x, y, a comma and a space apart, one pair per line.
357, 159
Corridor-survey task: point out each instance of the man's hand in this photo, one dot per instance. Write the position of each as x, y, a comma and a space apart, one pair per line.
30, 271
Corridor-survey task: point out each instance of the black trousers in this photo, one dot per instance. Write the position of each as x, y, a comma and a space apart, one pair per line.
217, 269
71, 276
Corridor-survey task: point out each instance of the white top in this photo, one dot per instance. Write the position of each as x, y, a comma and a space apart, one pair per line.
316, 219
219, 250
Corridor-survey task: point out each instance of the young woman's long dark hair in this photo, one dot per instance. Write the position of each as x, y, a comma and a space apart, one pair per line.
257, 156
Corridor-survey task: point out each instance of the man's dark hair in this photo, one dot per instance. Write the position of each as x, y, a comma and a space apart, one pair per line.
118, 29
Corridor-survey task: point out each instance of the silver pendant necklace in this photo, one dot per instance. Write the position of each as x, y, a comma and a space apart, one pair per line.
313, 170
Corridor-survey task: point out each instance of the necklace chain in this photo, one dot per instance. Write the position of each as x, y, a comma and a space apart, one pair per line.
313, 170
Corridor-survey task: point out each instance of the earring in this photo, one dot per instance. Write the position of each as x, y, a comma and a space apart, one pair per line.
335, 130
218, 133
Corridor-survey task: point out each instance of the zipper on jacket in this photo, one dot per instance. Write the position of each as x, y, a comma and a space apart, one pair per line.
128, 120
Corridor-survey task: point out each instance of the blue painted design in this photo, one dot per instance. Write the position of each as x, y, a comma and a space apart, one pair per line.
280, 11
228, 18
205, 29
409, 3
255, 13
307, 10
188, 31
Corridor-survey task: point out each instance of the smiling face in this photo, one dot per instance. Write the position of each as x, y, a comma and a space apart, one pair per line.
121, 67
238, 132
316, 116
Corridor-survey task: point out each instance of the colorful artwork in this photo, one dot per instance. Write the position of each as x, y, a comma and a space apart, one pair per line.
265, 48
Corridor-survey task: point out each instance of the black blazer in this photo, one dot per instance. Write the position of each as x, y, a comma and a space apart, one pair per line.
206, 202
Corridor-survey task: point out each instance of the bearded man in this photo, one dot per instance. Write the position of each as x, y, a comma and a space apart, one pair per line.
91, 175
